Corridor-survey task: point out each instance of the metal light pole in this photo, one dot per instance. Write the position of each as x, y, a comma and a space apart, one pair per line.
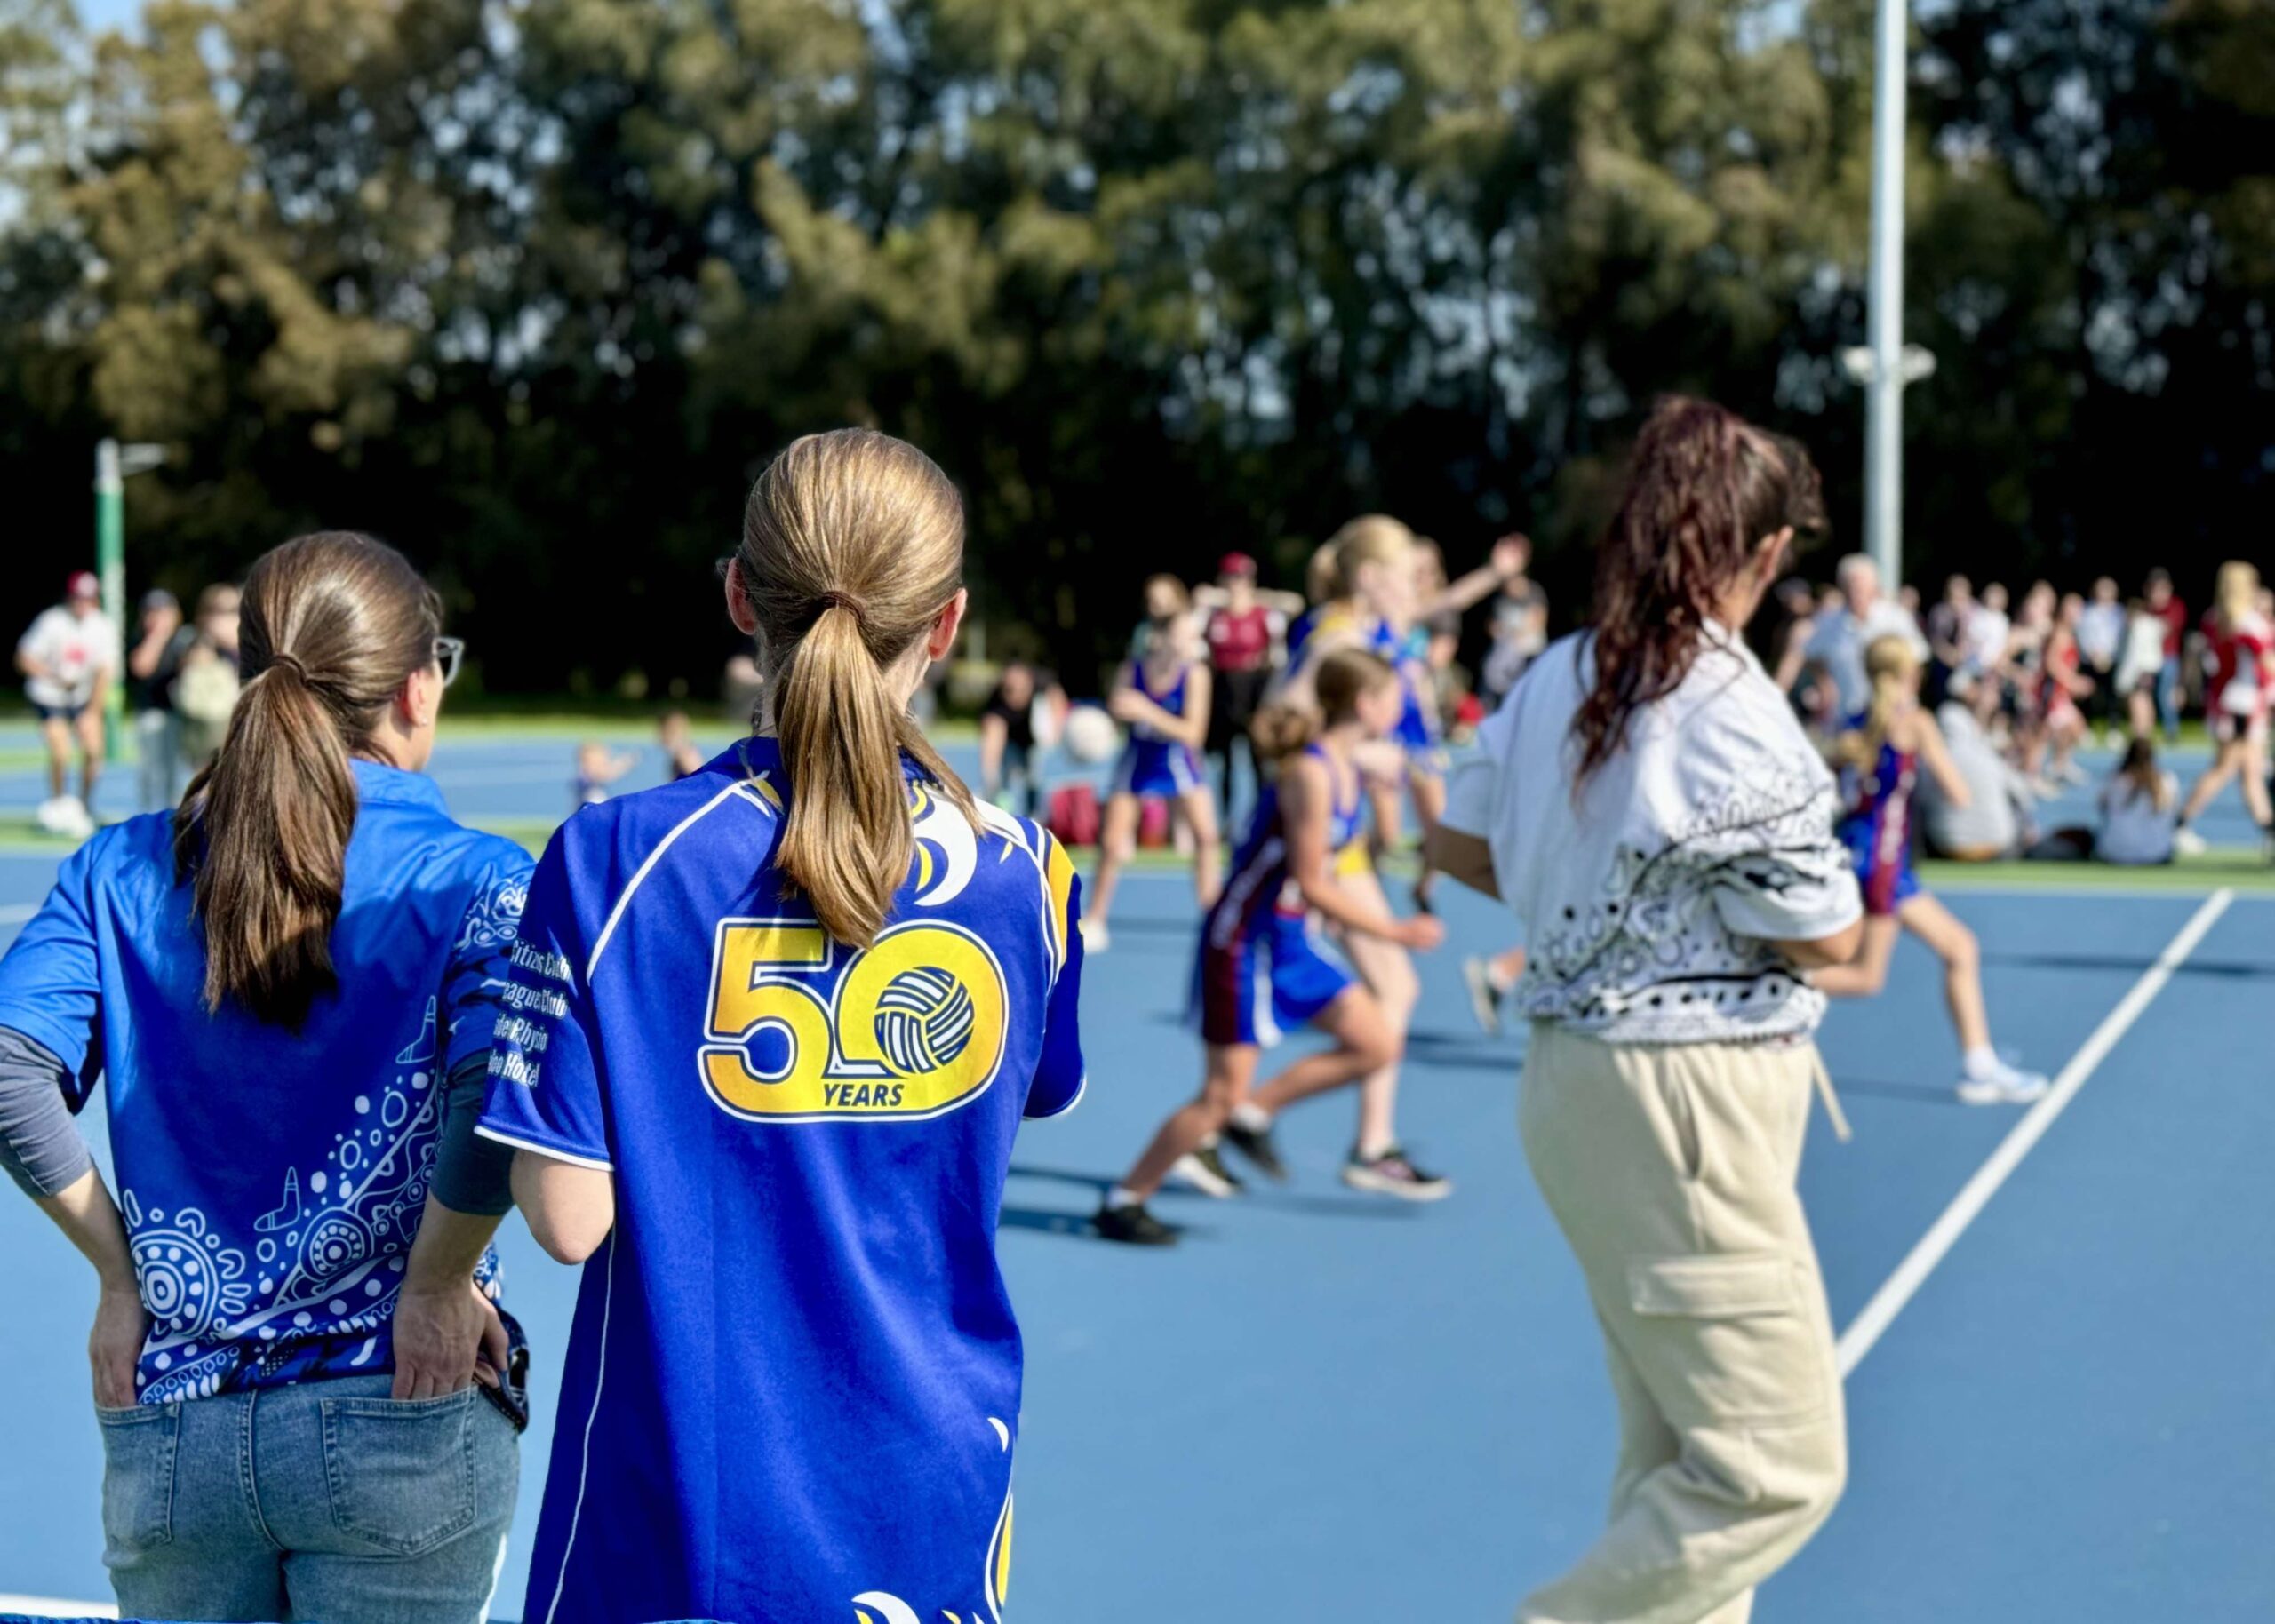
1886, 364
113, 463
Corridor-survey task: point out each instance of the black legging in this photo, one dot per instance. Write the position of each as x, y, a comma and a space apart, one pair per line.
1238, 694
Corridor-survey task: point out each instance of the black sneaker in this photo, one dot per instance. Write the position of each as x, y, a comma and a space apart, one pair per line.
1255, 1144
1205, 1170
1392, 1174
1133, 1226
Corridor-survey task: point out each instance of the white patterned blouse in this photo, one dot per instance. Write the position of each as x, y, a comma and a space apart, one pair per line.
1650, 899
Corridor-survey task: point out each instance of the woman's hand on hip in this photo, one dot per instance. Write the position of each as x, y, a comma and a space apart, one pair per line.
114, 1346
447, 1336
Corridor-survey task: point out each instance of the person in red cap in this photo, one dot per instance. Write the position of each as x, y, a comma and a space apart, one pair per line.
1247, 630
68, 658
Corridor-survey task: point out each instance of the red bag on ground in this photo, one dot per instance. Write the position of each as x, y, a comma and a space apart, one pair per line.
1074, 815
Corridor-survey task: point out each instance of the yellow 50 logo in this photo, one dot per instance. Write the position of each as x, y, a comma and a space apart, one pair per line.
912, 1027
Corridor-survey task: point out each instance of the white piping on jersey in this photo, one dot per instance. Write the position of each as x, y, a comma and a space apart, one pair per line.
1081, 1088
740, 790
482, 1130
1014, 832
1239, 890
600, 1375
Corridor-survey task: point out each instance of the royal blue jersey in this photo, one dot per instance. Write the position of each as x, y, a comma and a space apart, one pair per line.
792, 1388
1409, 656
272, 1179
1171, 700
1258, 878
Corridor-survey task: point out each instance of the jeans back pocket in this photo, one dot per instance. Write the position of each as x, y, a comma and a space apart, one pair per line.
138, 1445
401, 1471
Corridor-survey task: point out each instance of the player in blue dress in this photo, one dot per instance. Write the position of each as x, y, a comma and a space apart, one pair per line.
770, 1035
1263, 965
1881, 756
1163, 697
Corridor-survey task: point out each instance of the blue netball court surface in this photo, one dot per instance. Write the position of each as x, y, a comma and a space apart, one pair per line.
1326, 1408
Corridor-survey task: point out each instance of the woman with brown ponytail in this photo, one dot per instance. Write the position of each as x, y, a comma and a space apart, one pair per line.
1649, 808
770, 1037
308, 1397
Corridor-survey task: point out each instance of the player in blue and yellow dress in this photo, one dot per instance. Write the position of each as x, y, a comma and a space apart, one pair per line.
770, 1035
1882, 754
1164, 697
1263, 965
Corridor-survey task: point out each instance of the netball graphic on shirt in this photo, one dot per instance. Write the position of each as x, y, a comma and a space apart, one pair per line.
801, 1030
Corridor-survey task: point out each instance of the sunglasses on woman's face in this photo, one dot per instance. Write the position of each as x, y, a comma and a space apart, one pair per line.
449, 651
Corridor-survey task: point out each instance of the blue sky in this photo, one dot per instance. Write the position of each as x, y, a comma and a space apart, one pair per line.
107, 13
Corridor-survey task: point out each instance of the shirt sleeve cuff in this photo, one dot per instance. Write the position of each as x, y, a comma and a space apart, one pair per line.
522, 1139
1063, 1107
1469, 797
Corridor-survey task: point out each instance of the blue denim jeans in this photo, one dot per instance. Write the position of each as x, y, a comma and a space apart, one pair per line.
2169, 697
325, 1501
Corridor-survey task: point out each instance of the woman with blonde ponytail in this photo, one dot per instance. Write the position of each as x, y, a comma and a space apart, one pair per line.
282, 987
2237, 700
763, 1056
1881, 756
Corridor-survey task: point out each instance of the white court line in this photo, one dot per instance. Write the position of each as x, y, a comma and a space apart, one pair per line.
1899, 1288
16, 913
49, 1607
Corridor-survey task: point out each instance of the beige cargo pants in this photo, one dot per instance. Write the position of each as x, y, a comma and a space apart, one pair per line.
1672, 1172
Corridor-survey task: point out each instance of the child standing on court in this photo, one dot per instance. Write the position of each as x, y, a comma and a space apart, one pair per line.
1262, 966
767, 1045
1164, 697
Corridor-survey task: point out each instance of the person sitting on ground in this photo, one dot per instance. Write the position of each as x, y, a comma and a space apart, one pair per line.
1996, 818
2140, 816
2140, 810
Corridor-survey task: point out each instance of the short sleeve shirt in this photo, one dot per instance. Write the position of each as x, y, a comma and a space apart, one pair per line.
1649, 899
272, 1180
75, 650
794, 1379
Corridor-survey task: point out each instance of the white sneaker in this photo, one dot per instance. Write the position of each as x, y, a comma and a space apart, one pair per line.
2187, 843
1484, 997
1095, 936
2002, 1083
65, 815
1202, 1170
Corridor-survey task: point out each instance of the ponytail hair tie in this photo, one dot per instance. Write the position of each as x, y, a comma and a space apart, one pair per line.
286, 662
833, 598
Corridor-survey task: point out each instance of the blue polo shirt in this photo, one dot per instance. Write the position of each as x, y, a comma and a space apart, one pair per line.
272, 1180
792, 1388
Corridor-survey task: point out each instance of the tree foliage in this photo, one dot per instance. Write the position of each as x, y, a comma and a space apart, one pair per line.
534, 286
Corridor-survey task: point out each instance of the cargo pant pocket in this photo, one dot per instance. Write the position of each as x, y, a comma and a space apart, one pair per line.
139, 1447
401, 1471
1728, 1340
